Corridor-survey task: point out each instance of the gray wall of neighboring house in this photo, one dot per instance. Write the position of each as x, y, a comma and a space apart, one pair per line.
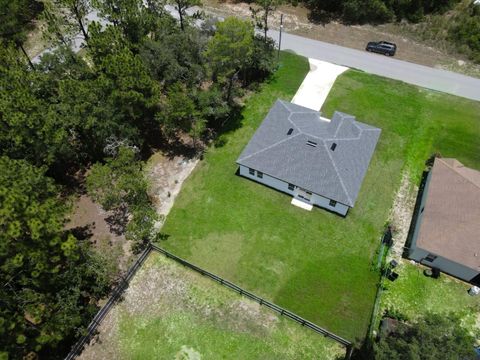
447, 266
283, 186
418, 254
418, 220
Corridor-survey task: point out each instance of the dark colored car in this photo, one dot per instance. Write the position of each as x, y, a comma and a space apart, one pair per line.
382, 47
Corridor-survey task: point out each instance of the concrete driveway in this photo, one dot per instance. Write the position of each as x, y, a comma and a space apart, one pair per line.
317, 84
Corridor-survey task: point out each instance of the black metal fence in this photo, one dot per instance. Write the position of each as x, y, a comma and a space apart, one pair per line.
124, 283
116, 294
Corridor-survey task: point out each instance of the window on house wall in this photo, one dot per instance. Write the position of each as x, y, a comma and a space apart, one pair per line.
430, 258
291, 187
251, 171
259, 174
333, 203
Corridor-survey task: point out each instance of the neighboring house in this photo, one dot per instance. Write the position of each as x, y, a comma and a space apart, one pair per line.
317, 161
446, 231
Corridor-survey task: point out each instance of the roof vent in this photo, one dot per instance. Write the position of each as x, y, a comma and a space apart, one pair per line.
333, 147
289, 132
311, 143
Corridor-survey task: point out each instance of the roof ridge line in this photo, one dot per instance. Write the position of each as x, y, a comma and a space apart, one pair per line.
338, 175
270, 146
458, 173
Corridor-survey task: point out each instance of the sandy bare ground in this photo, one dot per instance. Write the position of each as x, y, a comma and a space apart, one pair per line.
401, 214
166, 174
94, 220
166, 178
296, 22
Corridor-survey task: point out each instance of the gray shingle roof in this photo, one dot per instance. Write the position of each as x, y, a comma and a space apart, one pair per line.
336, 174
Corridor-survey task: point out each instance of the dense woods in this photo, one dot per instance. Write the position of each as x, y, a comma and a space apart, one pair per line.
377, 11
143, 82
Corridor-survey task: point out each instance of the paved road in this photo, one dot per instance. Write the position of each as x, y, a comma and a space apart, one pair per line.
435, 79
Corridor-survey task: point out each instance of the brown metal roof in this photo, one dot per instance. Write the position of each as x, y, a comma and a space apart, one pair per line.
451, 218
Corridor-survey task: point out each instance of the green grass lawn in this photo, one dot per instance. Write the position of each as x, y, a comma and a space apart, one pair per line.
172, 312
413, 295
316, 264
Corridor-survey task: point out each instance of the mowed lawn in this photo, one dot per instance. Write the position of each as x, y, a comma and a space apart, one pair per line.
316, 264
413, 295
172, 312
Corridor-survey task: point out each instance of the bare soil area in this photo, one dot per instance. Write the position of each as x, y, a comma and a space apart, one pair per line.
167, 175
96, 225
401, 215
356, 36
91, 221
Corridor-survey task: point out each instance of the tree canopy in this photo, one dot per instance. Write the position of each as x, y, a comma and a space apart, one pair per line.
432, 337
49, 279
120, 185
143, 82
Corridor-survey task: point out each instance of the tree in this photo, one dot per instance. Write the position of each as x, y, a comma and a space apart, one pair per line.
362, 11
50, 281
120, 186
16, 20
174, 55
28, 130
74, 12
262, 14
432, 337
465, 32
181, 6
230, 50
132, 17
263, 61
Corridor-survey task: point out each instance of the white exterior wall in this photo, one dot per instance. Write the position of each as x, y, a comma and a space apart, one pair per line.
325, 203
281, 185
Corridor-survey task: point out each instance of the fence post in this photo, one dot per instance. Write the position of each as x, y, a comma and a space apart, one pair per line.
349, 352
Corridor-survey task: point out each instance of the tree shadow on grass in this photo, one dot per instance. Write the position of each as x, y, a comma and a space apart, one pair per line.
231, 123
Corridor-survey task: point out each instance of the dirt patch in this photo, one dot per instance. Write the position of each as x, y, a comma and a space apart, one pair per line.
401, 214
158, 284
104, 346
91, 221
187, 353
410, 49
252, 313
166, 176
35, 42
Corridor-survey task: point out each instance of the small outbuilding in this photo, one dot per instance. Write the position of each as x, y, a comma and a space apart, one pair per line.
446, 229
316, 160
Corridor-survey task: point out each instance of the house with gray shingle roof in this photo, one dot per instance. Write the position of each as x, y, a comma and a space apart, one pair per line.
318, 161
